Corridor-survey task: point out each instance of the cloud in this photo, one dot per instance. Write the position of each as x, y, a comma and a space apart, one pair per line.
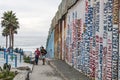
34, 15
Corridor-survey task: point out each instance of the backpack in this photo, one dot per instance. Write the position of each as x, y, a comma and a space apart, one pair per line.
44, 52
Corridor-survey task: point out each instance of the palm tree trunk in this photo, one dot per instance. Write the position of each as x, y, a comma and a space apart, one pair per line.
6, 41
12, 40
10, 36
9, 41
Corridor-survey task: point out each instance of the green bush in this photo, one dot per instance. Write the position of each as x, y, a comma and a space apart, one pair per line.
27, 59
5, 73
7, 76
1, 75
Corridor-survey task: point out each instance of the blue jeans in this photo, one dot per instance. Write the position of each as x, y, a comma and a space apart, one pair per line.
36, 60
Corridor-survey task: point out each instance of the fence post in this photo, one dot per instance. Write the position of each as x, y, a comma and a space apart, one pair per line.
11, 52
20, 57
7, 58
15, 60
4, 53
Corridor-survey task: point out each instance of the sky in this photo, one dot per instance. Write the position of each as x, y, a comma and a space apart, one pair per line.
34, 16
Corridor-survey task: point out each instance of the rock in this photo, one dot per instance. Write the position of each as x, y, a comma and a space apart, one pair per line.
22, 76
23, 68
16, 72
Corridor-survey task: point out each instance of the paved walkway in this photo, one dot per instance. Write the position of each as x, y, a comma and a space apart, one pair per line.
44, 72
66, 71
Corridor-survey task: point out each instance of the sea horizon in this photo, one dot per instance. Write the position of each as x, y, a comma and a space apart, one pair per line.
27, 43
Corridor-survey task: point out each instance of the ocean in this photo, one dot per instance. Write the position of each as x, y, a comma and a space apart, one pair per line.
27, 43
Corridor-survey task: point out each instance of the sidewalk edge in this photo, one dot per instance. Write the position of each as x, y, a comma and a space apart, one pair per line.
61, 74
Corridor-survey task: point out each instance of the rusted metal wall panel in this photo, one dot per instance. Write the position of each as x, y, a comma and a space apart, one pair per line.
56, 42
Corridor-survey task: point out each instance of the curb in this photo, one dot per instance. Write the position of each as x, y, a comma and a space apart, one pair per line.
22, 76
61, 74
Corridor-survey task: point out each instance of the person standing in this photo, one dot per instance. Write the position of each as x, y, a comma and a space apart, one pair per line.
37, 54
43, 52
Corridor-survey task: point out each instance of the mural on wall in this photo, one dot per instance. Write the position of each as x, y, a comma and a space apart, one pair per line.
86, 39
78, 41
92, 53
90, 29
109, 40
119, 45
91, 41
104, 42
68, 43
115, 39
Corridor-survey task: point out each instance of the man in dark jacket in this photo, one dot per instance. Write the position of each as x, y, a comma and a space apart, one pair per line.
43, 52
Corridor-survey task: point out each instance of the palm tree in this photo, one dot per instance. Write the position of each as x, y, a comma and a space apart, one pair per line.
10, 22
13, 32
5, 33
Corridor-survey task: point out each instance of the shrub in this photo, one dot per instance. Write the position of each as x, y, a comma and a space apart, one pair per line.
5, 73
26, 59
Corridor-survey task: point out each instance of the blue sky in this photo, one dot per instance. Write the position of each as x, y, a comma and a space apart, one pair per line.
34, 15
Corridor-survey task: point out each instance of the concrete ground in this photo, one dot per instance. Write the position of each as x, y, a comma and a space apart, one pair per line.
44, 72
66, 71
